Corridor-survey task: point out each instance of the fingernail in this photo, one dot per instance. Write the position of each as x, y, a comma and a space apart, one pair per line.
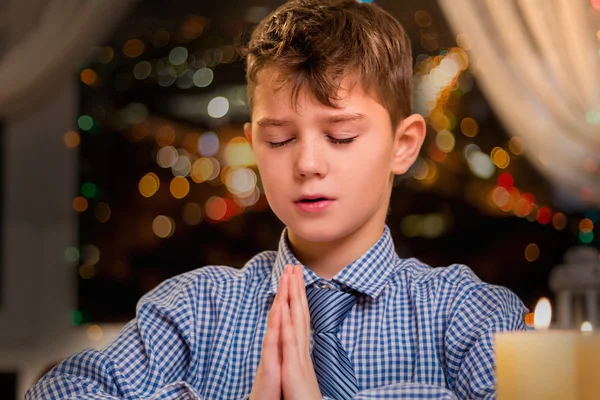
286, 269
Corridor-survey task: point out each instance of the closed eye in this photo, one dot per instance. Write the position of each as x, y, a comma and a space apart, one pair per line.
279, 144
341, 141
331, 139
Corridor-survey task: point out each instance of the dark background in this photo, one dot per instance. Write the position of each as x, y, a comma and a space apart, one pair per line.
133, 259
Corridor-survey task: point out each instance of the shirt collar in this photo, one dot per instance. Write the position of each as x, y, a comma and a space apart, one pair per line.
368, 274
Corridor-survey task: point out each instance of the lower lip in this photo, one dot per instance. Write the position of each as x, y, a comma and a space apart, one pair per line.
315, 207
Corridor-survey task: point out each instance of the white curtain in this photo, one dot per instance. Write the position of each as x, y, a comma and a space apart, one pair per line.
43, 56
538, 63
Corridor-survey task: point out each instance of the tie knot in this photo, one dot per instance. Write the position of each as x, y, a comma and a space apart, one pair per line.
328, 308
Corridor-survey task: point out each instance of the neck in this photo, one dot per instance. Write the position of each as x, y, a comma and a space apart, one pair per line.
326, 259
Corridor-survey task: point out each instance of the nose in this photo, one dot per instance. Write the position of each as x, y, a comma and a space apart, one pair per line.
309, 159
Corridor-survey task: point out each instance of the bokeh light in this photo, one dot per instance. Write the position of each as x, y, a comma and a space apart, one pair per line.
72, 254
559, 221
167, 156
544, 215
586, 224
434, 152
469, 127
516, 145
208, 145
481, 165
215, 208
193, 27
529, 319
183, 165
203, 77
500, 157
163, 226
80, 204
105, 54
218, 107
133, 48
180, 187
192, 214
586, 236
88, 76
445, 141
178, 55
506, 180
142, 70
532, 252
238, 153
202, 170
586, 326
85, 122
87, 271
90, 254
149, 184
421, 169
464, 41
248, 201
76, 317
94, 333
240, 181
89, 190
593, 117
165, 135
501, 196
71, 139
102, 212
422, 18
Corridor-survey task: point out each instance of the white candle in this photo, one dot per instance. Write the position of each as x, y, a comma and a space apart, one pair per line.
547, 364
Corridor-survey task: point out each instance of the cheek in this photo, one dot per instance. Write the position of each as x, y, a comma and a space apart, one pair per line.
370, 163
271, 171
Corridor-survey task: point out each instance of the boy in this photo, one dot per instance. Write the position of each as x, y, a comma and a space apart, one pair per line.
334, 313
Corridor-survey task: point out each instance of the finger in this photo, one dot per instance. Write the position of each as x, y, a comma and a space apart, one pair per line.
278, 296
297, 314
288, 337
270, 351
303, 298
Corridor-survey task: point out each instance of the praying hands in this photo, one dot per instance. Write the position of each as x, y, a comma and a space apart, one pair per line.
286, 367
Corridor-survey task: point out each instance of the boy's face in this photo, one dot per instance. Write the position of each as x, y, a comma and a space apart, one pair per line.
347, 156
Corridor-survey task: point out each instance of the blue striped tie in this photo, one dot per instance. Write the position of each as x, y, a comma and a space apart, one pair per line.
335, 373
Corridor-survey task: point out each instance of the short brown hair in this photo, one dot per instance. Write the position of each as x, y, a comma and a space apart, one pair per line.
319, 42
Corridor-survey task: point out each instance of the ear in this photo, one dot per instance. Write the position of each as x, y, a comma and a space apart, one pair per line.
408, 139
248, 132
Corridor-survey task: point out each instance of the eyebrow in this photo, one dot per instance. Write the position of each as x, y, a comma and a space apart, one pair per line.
331, 119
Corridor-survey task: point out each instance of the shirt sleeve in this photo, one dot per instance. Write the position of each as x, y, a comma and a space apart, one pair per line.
479, 313
149, 359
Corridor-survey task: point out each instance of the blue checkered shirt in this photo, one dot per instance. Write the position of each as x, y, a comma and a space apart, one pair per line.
416, 333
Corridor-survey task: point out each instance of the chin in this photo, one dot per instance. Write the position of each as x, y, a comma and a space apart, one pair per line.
319, 231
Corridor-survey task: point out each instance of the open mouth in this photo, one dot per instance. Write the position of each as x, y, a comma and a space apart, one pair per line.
316, 200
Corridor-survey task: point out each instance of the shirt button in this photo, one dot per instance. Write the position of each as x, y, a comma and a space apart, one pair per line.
324, 286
